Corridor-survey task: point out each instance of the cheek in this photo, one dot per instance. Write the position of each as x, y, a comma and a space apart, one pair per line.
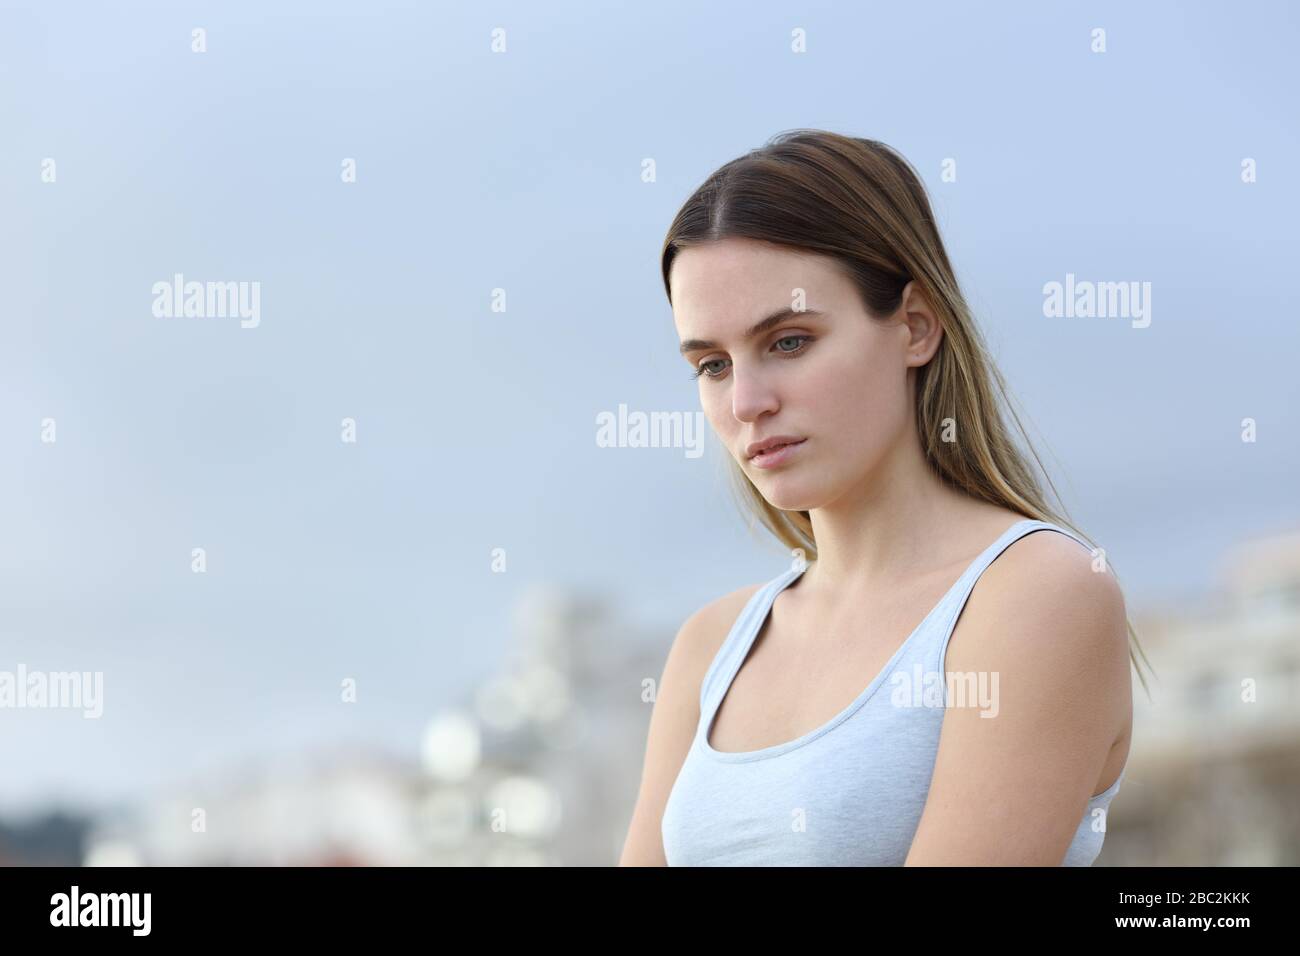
869, 394
717, 409
861, 380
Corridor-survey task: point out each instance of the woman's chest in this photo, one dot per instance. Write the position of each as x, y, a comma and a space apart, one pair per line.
853, 797
799, 674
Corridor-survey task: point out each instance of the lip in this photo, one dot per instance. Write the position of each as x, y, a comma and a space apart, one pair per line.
770, 442
778, 455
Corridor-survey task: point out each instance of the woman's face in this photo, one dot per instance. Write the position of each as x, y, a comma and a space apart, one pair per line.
822, 371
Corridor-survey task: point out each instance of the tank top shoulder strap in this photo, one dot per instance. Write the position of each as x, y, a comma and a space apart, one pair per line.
1030, 525
738, 638
956, 598
1004, 541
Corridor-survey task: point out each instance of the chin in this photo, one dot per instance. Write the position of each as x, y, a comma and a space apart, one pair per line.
787, 496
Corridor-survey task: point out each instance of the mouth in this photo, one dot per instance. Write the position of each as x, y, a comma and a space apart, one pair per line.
776, 456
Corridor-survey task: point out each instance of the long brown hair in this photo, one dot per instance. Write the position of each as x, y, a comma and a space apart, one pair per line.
859, 202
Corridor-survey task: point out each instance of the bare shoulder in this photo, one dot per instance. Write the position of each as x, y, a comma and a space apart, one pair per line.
1047, 583
704, 631
1051, 575
674, 719
697, 643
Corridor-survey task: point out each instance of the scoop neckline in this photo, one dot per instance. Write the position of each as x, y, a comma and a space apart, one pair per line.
774, 589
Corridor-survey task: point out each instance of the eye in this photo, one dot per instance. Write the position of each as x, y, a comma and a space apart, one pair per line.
703, 370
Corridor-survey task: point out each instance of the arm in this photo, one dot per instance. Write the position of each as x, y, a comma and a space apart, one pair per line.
674, 720
1010, 790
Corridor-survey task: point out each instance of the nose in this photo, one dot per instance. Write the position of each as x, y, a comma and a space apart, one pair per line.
751, 396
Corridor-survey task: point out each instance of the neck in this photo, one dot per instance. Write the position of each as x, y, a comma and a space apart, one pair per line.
900, 521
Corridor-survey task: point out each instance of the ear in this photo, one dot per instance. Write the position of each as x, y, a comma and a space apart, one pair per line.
924, 329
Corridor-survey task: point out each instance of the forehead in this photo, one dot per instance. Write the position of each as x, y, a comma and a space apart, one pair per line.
734, 281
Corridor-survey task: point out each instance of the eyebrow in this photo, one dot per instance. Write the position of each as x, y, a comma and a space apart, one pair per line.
758, 328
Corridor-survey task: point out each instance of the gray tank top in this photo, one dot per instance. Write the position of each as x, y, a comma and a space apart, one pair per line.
849, 793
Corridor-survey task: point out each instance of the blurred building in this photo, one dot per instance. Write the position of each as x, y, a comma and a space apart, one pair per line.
53, 838
539, 766
1214, 775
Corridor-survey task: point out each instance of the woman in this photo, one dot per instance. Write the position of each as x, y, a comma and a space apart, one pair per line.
942, 676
